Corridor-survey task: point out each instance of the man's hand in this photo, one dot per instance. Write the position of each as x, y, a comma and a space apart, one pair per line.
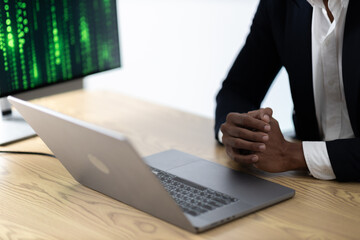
258, 133
280, 155
246, 134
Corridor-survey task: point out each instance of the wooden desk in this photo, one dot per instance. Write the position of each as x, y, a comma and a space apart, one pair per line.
40, 200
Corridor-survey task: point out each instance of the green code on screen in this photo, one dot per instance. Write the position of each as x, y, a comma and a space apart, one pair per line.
47, 41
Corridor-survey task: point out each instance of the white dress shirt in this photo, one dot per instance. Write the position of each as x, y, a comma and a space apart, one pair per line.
331, 110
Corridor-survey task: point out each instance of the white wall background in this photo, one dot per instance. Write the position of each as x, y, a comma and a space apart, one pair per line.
177, 53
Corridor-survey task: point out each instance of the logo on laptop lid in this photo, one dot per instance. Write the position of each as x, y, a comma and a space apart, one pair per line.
98, 164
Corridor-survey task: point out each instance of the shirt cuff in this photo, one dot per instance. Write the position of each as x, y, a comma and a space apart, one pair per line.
220, 135
318, 161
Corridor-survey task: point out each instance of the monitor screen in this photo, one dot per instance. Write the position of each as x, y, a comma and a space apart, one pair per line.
44, 42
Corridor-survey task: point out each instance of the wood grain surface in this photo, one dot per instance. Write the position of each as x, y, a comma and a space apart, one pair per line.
40, 200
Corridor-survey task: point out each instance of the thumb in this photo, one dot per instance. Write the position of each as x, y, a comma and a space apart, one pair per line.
264, 114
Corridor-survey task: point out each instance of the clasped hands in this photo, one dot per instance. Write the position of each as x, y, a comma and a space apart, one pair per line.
255, 138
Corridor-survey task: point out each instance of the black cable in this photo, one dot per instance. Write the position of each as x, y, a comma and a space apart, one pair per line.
31, 153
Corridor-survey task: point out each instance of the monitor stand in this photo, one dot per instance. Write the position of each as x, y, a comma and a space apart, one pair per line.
12, 126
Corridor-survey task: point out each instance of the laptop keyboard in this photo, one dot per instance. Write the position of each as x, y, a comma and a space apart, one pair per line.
194, 199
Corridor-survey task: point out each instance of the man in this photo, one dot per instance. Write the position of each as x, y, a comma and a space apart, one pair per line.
318, 43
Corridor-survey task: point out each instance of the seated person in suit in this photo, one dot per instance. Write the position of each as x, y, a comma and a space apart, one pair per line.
318, 43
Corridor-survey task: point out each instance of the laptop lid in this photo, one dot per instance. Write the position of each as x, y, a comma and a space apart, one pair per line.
102, 160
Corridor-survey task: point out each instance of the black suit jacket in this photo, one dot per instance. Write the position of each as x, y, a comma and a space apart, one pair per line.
280, 36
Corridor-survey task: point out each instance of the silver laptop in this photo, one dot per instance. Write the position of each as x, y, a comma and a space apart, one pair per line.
179, 188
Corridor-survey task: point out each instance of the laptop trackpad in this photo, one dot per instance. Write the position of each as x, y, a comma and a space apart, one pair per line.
170, 159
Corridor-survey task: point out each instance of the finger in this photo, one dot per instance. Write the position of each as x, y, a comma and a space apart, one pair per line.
239, 143
239, 132
264, 114
247, 121
240, 158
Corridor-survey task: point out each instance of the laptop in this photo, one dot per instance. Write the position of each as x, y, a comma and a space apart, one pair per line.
179, 188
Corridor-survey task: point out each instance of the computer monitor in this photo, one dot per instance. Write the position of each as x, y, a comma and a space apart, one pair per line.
48, 46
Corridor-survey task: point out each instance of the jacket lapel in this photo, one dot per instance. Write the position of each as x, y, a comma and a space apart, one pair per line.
298, 62
351, 63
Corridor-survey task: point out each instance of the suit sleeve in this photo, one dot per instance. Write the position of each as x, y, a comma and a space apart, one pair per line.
345, 158
252, 72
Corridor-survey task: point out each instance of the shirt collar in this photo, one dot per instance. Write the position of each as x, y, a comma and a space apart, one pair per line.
320, 3
336, 6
